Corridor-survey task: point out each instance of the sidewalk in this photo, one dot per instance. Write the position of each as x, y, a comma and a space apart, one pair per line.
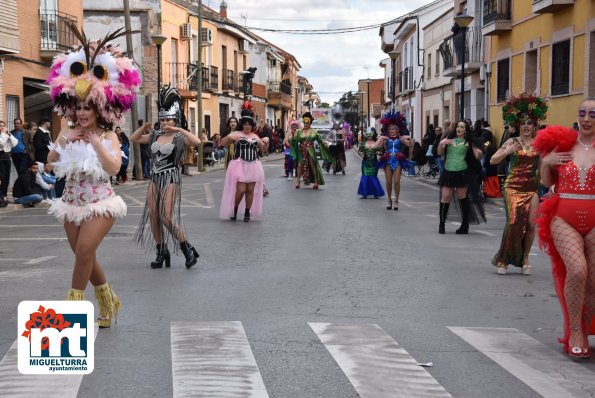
131, 182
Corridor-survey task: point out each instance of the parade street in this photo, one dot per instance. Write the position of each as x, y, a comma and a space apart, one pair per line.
327, 295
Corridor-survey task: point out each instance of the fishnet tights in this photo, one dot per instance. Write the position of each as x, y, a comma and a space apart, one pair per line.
578, 254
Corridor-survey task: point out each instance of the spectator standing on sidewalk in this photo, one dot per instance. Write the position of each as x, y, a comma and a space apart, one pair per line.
19, 155
7, 142
231, 126
30, 130
24, 190
41, 140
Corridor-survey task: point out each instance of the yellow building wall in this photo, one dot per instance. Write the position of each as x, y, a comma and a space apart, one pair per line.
540, 28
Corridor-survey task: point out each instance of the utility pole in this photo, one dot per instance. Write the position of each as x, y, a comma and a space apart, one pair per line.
138, 167
200, 159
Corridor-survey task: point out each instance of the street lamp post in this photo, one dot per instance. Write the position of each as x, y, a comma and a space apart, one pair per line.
463, 21
158, 39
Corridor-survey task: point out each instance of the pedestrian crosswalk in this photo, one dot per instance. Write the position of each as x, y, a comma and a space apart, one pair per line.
215, 359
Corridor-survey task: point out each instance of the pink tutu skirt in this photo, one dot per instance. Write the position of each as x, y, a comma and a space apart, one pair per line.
246, 172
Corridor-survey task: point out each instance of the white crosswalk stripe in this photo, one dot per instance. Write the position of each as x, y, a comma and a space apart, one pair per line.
544, 370
375, 364
16, 385
213, 359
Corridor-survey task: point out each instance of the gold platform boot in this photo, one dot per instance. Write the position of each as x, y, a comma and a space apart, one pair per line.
75, 295
109, 305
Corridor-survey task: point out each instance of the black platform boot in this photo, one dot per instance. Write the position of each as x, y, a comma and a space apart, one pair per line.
464, 229
190, 253
162, 255
246, 215
443, 213
235, 214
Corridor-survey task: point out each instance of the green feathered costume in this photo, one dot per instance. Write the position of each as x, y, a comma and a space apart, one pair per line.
304, 147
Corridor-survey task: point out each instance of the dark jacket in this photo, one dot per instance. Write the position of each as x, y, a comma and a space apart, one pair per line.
41, 140
24, 185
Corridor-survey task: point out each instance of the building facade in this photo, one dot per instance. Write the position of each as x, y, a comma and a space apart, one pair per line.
32, 32
542, 46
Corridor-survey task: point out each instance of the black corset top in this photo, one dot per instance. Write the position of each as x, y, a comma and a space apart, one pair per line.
246, 149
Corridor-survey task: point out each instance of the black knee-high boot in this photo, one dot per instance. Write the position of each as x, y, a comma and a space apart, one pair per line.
464, 229
443, 213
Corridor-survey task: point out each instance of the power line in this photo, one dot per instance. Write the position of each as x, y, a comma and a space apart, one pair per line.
306, 20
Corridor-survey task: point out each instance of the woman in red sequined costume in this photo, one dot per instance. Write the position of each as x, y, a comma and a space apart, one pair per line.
566, 222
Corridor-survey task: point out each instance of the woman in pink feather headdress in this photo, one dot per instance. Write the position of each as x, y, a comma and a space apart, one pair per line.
91, 86
566, 223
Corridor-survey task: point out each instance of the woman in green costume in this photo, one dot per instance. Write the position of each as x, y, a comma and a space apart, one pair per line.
303, 153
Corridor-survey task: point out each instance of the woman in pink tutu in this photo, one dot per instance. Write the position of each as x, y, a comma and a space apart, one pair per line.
244, 180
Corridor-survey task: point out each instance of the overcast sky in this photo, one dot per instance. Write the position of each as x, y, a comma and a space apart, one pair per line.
331, 63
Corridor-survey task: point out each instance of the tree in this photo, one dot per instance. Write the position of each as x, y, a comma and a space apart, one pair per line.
324, 105
349, 107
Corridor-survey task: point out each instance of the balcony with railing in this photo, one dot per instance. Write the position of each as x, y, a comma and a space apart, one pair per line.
407, 83
229, 80
205, 79
56, 36
549, 6
214, 78
451, 51
279, 94
497, 16
183, 76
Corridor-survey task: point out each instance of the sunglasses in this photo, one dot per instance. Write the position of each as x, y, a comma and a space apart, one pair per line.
583, 113
527, 122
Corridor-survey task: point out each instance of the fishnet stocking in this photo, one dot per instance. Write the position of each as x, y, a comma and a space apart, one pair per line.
571, 246
590, 255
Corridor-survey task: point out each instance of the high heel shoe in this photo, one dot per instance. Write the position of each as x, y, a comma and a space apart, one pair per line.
162, 256
109, 305
396, 206
246, 215
75, 295
390, 205
315, 186
235, 214
576, 351
189, 253
297, 185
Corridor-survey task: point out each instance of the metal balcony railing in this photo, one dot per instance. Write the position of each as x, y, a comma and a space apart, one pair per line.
214, 79
205, 78
451, 48
55, 33
229, 80
183, 75
496, 10
280, 87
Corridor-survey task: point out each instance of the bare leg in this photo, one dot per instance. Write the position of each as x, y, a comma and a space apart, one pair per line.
530, 234
446, 194
388, 175
570, 245
168, 218
249, 194
298, 172
154, 218
313, 169
91, 233
397, 183
240, 192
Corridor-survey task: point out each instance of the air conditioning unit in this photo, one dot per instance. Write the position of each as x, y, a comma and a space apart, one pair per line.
207, 37
244, 46
186, 31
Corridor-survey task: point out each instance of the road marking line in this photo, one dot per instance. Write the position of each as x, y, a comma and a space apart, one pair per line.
375, 363
213, 359
546, 371
16, 385
39, 260
130, 198
209, 195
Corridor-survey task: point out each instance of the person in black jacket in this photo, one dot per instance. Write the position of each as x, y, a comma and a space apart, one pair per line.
24, 187
41, 140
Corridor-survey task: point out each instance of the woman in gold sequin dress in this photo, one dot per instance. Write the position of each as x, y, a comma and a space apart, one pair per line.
521, 200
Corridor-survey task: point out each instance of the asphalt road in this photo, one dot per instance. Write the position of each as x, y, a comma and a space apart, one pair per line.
328, 295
